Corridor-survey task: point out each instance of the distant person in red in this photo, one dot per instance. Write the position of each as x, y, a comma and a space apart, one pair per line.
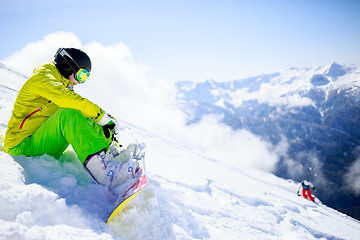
306, 187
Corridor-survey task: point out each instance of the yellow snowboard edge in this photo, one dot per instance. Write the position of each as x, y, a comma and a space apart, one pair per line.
122, 205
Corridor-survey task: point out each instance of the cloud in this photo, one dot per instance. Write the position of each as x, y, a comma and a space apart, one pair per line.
274, 93
239, 148
42, 51
126, 88
305, 165
352, 177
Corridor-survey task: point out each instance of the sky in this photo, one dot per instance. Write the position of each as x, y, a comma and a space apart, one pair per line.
196, 40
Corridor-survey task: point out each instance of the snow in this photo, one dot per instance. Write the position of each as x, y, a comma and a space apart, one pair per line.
189, 196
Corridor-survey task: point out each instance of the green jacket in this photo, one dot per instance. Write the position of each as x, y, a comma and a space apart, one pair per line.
39, 98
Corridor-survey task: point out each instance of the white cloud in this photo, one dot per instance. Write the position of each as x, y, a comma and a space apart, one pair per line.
238, 148
295, 100
275, 93
312, 167
42, 51
352, 177
294, 169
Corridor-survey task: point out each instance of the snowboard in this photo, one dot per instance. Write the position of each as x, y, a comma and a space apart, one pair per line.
128, 190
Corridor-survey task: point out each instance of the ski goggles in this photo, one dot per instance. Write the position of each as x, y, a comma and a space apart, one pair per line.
81, 74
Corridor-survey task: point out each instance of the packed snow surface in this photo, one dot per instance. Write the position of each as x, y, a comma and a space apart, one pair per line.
189, 196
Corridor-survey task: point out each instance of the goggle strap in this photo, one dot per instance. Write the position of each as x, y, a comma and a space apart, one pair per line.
69, 60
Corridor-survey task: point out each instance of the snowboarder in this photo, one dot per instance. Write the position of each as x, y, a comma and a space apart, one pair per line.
306, 192
48, 116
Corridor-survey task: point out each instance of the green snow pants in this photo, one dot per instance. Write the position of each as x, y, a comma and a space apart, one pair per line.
66, 126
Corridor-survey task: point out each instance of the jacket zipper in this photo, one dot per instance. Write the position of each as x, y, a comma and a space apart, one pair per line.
22, 123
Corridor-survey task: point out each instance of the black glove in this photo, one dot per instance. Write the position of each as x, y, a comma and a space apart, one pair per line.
108, 128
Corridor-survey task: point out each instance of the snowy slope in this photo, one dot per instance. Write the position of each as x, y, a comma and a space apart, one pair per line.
189, 196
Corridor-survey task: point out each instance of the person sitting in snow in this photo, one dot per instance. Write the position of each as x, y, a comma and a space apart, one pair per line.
306, 187
48, 116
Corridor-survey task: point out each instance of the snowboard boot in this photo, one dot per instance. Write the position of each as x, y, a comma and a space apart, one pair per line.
117, 153
110, 173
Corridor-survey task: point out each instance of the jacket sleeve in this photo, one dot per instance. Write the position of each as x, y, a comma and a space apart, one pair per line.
48, 86
299, 188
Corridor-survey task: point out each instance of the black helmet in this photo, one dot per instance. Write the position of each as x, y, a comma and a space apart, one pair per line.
70, 60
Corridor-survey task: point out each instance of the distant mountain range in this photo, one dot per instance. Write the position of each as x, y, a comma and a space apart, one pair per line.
316, 111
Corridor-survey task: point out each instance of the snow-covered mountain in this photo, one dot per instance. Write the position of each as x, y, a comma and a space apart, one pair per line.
189, 196
315, 111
